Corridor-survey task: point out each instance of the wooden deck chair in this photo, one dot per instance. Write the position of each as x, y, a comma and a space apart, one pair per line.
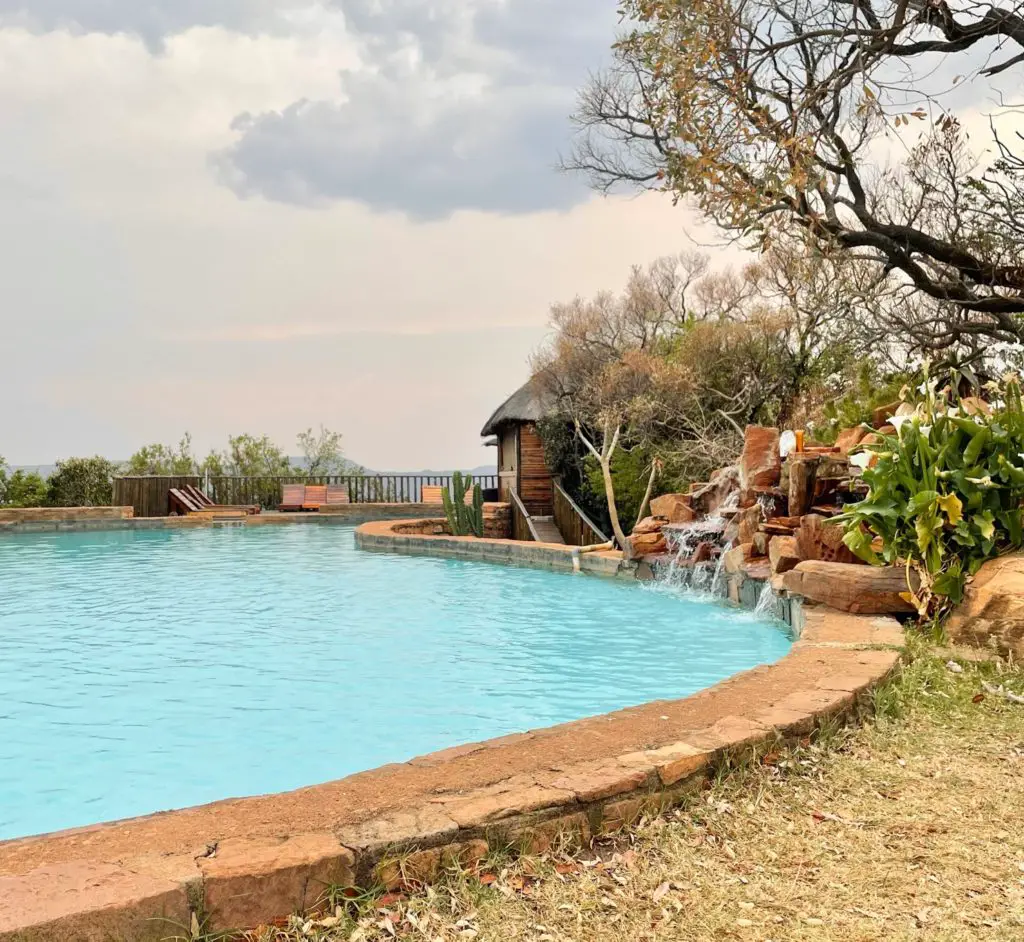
316, 496
431, 494
197, 495
293, 496
208, 505
337, 494
182, 503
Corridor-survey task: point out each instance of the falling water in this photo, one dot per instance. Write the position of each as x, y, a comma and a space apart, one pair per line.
765, 601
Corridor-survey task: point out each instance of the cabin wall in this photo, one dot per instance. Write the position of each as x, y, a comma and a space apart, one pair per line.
508, 460
535, 486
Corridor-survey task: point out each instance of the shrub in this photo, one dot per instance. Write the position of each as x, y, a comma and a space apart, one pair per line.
630, 472
82, 482
164, 459
23, 489
945, 493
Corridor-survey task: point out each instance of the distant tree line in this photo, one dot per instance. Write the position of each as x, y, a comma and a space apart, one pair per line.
88, 482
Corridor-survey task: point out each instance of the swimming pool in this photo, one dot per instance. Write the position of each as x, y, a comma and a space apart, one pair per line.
148, 670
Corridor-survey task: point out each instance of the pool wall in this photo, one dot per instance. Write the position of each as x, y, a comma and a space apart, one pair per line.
79, 519
243, 862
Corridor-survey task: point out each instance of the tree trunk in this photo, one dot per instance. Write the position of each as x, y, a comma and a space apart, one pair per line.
613, 510
647, 494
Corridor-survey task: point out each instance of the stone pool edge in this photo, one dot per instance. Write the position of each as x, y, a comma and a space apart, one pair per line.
131, 880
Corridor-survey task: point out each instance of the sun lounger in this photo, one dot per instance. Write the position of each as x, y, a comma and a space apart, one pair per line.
293, 496
316, 496
186, 505
204, 502
336, 494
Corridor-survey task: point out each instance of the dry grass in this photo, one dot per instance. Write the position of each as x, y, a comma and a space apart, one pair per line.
909, 828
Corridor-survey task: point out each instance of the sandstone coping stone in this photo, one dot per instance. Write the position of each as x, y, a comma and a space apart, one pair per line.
425, 825
384, 535
93, 901
823, 626
595, 781
516, 796
248, 882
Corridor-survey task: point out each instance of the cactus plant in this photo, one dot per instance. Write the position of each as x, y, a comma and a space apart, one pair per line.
463, 519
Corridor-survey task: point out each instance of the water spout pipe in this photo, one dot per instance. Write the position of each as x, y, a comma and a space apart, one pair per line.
578, 550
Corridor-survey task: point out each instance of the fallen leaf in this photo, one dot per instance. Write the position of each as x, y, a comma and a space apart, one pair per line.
660, 892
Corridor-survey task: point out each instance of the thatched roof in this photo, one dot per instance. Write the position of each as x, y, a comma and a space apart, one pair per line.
529, 403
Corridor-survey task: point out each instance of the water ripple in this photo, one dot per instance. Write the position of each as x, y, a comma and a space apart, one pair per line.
141, 671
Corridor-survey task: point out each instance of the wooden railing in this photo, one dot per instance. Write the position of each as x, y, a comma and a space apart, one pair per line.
576, 527
522, 522
362, 488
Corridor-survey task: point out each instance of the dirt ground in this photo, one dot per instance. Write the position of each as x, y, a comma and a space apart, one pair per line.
909, 827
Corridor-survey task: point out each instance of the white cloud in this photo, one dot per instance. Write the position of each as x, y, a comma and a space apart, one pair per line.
131, 278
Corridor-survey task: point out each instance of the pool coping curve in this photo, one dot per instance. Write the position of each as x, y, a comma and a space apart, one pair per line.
248, 861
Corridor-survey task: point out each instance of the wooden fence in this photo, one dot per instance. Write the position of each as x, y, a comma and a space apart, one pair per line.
149, 496
576, 527
362, 488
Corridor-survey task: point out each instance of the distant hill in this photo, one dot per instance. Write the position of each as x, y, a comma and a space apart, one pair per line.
47, 469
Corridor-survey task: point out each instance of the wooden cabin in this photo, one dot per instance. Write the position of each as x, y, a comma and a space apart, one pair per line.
521, 461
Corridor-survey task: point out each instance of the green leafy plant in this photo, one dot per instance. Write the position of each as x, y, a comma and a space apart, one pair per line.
945, 492
463, 519
82, 482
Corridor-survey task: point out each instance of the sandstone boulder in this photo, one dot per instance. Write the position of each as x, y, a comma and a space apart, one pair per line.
761, 463
737, 557
704, 552
803, 471
762, 541
648, 544
850, 438
747, 523
675, 508
883, 413
973, 405
648, 525
992, 612
818, 538
783, 554
865, 590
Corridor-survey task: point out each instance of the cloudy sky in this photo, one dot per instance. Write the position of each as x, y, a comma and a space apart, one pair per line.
261, 215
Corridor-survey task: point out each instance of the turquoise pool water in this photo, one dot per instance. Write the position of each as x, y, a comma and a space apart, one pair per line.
142, 671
